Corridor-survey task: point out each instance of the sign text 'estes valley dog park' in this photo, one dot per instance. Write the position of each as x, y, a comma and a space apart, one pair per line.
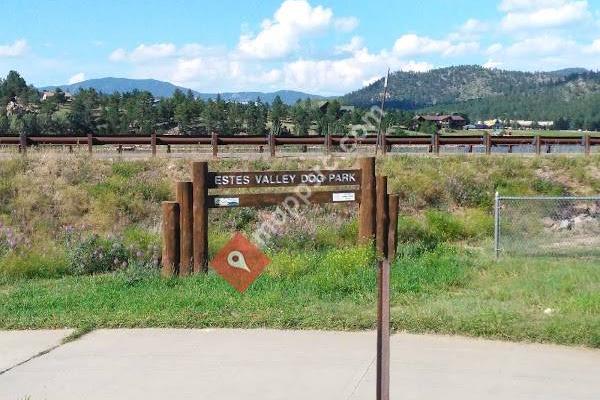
283, 178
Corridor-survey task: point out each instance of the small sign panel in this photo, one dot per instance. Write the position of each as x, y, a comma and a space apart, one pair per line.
342, 197
239, 262
227, 201
284, 178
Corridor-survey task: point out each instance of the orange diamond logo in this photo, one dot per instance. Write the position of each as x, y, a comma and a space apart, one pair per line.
240, 262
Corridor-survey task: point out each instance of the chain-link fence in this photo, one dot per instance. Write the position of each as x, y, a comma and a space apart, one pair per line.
547, 226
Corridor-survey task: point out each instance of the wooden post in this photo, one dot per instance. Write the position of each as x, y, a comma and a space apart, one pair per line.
90, 142
170, 239
436, 143
538, 145
272, 144
23, 142
383, 331
153, 144
214, 140
586, 144
200, 217
393, 201
487, 139
186, 244
366, 227
382, 222
168, 149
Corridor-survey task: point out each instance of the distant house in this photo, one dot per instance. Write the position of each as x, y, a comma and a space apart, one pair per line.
494, 123
46, 95
441, 121
524, 124
545, 124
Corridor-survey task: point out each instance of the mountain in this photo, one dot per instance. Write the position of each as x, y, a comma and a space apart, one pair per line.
287, 96
483, 93
413, 90
166, 89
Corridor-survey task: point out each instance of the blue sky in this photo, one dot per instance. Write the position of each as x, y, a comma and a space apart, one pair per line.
326, 47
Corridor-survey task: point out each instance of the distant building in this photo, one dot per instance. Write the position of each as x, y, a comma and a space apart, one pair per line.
524, 124
441, 121
494, 124
545, 124
46, 95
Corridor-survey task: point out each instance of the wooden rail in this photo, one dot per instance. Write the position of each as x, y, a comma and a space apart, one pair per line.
433, 143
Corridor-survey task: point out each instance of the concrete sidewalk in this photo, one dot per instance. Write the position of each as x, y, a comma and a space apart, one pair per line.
265, 364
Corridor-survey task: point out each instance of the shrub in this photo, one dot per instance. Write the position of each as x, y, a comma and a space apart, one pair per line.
94, 255
34, 263
445, 226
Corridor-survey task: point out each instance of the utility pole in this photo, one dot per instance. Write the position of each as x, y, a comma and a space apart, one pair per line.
379, 132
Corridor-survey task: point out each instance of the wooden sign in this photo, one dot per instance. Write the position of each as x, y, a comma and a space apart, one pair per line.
343, 186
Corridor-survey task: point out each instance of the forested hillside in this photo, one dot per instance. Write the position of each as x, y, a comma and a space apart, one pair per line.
570, 96
24, 109
448, 85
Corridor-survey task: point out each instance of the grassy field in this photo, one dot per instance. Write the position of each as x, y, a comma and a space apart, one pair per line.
79, 245
442, 290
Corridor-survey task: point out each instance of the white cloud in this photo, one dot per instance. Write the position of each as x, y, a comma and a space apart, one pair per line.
281, 35
515, 5
118, 55
343, 75
491, 64
543, 14
355, 44
16, 49
473, 25
544, 45
593, 48
346, 24
144, 52
77, 78
494, 48
411, 44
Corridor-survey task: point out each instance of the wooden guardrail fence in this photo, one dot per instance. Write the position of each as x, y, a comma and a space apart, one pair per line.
434, 143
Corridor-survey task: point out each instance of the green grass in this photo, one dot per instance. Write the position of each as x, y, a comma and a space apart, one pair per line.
318, 278
442, 290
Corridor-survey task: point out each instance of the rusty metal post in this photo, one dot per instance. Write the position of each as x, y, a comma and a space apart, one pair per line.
366, 226
214, 141
186, 244
383, 331
170, 238
200, 217
382, 222
393, 202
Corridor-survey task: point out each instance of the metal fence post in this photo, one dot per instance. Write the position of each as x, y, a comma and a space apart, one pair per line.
497, 225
